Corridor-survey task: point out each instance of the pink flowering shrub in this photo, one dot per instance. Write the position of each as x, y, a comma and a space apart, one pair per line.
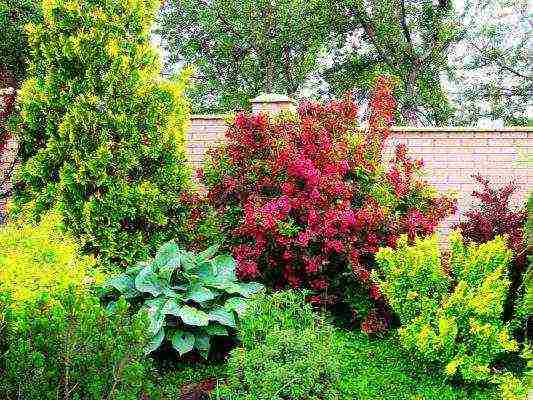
304, 199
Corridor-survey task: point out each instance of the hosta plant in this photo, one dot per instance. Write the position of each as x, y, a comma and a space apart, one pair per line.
189, 297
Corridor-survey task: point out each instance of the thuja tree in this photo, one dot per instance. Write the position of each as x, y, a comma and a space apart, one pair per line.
307, 202
101, 136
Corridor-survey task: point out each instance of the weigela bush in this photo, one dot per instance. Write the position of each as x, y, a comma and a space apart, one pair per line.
305, 196
101, 135
493, 216
450, 308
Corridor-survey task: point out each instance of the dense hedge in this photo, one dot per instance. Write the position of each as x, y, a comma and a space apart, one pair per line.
101, 135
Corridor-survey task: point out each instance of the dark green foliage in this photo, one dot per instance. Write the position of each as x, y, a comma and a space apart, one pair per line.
243, 48
64, 346
101, 135
286, 353
189, 298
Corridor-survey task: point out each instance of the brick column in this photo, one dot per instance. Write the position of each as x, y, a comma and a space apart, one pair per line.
272, 103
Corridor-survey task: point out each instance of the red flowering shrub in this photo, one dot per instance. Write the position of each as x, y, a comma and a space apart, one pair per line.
495, 216
304, 198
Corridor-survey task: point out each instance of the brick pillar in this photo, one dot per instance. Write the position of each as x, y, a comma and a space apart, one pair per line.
272, 103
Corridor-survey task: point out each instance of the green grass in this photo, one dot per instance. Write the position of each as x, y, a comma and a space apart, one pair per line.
379, 369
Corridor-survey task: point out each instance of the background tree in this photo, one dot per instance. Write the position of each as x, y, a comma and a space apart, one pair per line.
405, 39
101, 136
491, 68
242, 48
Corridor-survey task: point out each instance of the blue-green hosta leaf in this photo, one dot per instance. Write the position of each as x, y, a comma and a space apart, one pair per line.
165, 253
148, 282
199, 294
248, 289
183, 341
222, 316
155, 342
215, 329
220, 270
125, 285
202, 343
165, 271
171, 307
192, 316
111, 308
237, 304
207, 254
188, 261
156, 319
133, 270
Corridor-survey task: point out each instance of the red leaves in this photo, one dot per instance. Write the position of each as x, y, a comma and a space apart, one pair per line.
301, 200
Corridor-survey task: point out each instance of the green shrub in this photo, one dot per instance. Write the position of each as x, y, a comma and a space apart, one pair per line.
451, 309
64, 346
189, 297
40, 257
282, 359
101, 135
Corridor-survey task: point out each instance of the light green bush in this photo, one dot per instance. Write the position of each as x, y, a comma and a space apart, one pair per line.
41, 257
286, 353
101, 136
450, 309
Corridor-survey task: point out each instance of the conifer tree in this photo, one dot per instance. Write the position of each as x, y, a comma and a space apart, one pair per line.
102, 138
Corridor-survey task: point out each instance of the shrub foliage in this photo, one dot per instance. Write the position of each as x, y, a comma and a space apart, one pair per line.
41, 257
305, 196
101, 136
286, 353
494, 215
64, 346
451, 309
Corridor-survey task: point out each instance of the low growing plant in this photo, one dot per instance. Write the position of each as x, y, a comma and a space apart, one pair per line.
41, 257
286, 353
450, 309
64, 346
189, 297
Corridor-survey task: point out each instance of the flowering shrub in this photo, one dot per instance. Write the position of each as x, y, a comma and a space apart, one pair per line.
495, 216
305, 196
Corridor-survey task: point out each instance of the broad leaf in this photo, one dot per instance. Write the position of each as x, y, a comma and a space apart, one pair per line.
183, 342
219, 314
148, 282
237, 304
124, 284
155, 342
171, 307
199, 294
156, 319
192, 316
248, 289
203, 344
216, 330
207, 254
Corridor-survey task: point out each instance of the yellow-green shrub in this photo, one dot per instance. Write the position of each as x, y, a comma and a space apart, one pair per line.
450, 309
36, 258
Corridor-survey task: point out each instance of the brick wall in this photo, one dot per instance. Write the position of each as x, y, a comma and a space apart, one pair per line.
451, 155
